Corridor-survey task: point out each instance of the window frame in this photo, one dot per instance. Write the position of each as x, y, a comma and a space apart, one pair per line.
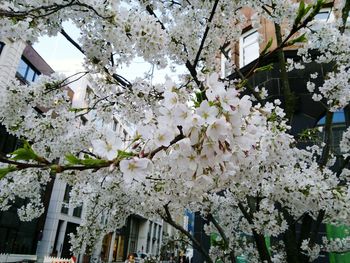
243, 45
29, 68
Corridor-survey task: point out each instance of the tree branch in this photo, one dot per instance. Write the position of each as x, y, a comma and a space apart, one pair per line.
121, 80
224, 237
289, 97
168, 218
258, 238
205, 33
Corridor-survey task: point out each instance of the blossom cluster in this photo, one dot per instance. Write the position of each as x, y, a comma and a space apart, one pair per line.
205, 144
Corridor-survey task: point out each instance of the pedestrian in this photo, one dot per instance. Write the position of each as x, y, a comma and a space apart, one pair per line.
130, 259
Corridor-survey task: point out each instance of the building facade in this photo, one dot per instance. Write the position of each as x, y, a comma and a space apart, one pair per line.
18, 59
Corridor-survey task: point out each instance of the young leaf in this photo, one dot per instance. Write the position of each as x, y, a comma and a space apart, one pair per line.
301, 13
124, 154
266, 48
299, 39
23, 154
242, 83
26, 153
264, 68
316, 9
72, 159
5, 171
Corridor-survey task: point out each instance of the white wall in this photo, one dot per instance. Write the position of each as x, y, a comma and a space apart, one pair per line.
9, 60
54, 215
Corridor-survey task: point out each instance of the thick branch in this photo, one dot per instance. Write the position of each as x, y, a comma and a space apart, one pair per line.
151, 154
289, 97
224, 237
315, 232
193, 73
168, 218
55, 167
258, 238
205, 33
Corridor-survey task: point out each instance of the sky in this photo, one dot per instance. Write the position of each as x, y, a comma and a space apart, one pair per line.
64, 58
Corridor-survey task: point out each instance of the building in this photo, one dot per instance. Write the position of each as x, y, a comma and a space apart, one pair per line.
309, 114
18, 59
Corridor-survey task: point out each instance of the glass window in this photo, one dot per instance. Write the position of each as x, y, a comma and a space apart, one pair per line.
77, 211
27, 71
338, 127
325, 15
250, 38
250, 52
249, 47
322, 16
65, 203
338, 117
22, 68
30, 74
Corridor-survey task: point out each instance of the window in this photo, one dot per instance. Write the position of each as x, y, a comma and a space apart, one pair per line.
66, 197
26, 71
338, 127
226, 63
248, 47
325, 15
77, 211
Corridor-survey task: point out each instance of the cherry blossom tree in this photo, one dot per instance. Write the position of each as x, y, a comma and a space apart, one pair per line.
217, 146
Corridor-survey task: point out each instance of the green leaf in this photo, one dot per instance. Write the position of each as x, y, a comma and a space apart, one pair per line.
301, 13
26, 153
199, 99
124, 154
242, 83
266, 48
299, 39
5, 171
159, 187
72, 159
316, 9
264, 68
310, 134
308, 8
